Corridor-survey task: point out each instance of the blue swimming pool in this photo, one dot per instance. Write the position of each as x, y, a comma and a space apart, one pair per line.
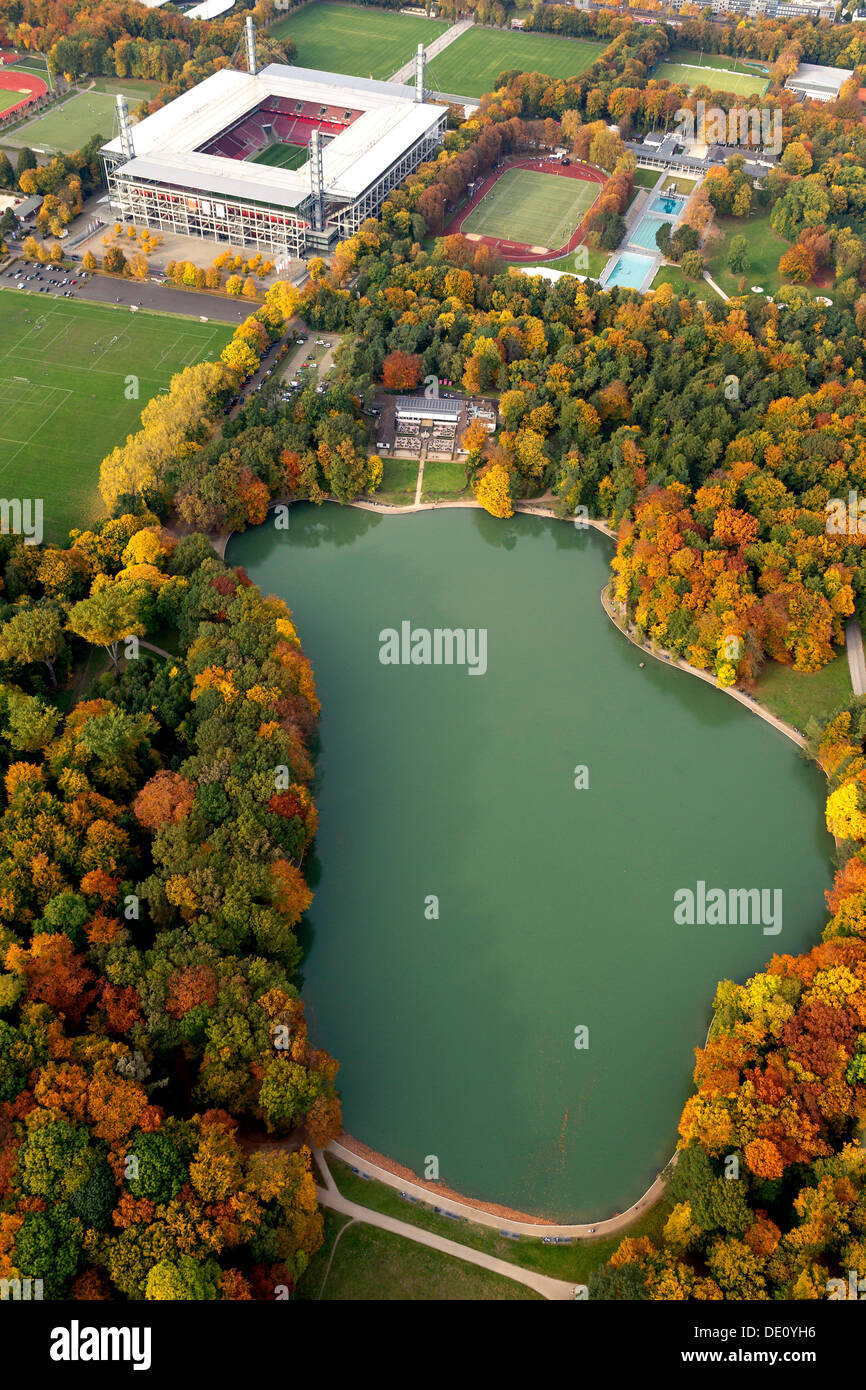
629, 272
669, 203
644, 234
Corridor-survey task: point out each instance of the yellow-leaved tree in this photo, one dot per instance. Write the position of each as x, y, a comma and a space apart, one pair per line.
493, 492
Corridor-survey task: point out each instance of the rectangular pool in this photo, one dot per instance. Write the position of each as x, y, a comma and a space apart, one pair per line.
629, 272
671, 204
644, 234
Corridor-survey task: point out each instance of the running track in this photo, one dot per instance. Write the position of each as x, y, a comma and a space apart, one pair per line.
521, 250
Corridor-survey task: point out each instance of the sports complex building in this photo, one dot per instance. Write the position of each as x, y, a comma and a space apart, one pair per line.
287, 160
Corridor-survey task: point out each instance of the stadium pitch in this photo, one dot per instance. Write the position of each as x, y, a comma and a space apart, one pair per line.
688, 70
68, 373
537, 209
282, 156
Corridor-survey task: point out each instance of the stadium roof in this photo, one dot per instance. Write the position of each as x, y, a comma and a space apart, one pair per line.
209, 9
167, 144
824, 82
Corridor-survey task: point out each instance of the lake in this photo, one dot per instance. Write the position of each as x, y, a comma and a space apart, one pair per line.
536, 1037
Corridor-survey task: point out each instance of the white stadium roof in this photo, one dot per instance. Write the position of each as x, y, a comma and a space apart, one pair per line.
167, 143
209, 9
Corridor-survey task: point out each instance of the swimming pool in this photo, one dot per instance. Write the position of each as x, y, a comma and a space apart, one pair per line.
644, 234
629, 272
670, 203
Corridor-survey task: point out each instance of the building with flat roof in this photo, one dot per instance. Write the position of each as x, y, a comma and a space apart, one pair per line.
429, 409
813, 82
286, 160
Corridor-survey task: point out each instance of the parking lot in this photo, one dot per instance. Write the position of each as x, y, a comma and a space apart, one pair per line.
42, 279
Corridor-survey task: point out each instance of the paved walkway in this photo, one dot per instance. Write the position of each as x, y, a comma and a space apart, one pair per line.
856, 661
432, 50
481, 1217
331, 1197
718, 289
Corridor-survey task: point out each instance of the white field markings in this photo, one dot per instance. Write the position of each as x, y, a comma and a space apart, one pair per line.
572, 212
18, 394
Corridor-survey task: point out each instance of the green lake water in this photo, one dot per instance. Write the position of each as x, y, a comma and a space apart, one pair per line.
556, 906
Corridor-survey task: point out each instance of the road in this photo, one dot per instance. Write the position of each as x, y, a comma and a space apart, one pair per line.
165, 298
330, 1196
856, 662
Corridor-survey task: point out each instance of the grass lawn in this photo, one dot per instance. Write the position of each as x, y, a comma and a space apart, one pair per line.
764, 249
134, 88
282, 156
399, 480
646, 178
8, 99
572, 1262
70, 125
798, 696
62, 401
680, 185
363, 42
672, 275
721, 74
310, 1283
534, 208
444, 479
573, 263
372, 1265
470, 66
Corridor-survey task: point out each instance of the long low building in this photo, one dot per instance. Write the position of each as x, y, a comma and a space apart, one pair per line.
288, 159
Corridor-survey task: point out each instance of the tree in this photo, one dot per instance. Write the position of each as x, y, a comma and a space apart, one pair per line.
738, 259
693, 265
107, 617
401, 371
34, 634
493, 491
89, 261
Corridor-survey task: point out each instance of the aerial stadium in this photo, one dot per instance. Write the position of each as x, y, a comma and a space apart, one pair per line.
285, 159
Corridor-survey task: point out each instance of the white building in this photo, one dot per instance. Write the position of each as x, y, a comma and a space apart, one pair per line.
818, 83
193, 167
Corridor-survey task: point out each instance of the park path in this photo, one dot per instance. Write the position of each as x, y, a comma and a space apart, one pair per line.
480, 1216
557, 1289
718, 289
856, 661
432, 50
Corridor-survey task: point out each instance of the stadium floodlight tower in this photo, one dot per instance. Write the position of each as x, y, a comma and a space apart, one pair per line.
420, 64
250, 37
124, 129
317, 180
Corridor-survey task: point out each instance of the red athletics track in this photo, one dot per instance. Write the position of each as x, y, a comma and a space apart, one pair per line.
520, 250
26, 83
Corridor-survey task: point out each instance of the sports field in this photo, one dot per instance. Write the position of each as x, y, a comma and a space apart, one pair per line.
718, 72
65, 369
8, 99
69, 126
282, 156
471, 64
525, 205
362, 42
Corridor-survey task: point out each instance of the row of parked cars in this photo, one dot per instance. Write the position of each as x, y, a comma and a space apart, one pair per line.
54, 284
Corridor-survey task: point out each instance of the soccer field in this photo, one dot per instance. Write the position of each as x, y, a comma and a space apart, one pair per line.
8, 99
360, 42
540, 210
282, 156
713, 72
65, 370
69, 126
470, 66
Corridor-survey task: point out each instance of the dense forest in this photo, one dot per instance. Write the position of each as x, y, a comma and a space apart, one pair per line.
156, 813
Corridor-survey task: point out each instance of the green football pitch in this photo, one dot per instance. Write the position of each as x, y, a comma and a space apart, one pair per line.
69, 126
541, 210
720, 74
66, 370
282, 156
361, 42
471, 64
